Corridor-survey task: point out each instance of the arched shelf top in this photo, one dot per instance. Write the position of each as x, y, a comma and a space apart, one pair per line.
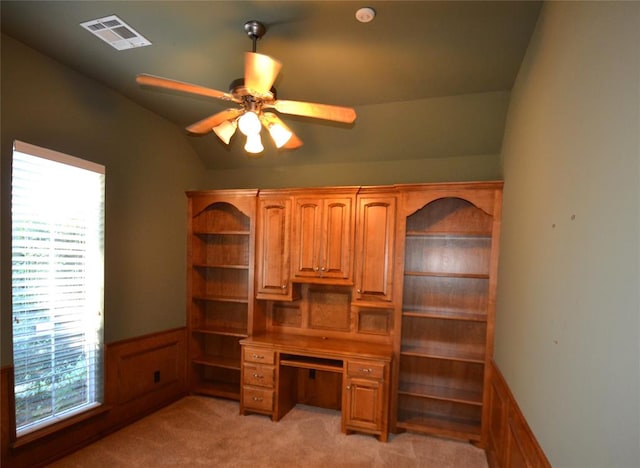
221, 217
484, 200
223, 206
450, 214
242, 200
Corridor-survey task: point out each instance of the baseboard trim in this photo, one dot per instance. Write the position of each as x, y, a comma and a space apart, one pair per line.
511, 443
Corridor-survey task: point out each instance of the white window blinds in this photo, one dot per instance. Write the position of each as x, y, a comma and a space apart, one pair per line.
57, 285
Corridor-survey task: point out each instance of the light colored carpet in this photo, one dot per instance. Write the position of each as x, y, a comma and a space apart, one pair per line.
201, 431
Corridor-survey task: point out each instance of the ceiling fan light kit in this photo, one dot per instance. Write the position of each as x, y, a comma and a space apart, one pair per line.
255, 94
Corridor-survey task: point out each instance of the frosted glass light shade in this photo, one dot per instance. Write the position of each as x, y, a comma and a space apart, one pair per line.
225, 130
254, 144
249, 123
279, 134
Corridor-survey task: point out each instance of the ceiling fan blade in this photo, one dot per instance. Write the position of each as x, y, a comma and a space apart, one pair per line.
260, 71
207, 124
293, 143
319, 111
166, 83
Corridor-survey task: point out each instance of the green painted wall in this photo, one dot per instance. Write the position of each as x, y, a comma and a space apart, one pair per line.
568, 319
149, 165
463, 168
453, 138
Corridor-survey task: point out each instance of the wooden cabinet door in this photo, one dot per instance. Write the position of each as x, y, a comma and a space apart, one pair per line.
375, 242
323, 230
272, 273
336, 236
307, 237
364, 404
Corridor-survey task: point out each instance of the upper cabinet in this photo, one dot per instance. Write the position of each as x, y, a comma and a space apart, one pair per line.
323, 225
375, 240
273, 273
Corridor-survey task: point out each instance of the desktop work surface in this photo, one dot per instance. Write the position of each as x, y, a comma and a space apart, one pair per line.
348, 375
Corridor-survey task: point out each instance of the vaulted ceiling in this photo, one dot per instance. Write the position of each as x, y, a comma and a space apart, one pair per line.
411, 53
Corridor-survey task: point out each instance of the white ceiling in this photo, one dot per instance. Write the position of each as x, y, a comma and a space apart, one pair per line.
413, 50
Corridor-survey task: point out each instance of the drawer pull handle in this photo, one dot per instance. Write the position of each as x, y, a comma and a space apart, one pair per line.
255, 398
257, 356
258, 376
365, 370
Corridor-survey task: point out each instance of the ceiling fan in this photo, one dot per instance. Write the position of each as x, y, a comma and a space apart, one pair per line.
255, 95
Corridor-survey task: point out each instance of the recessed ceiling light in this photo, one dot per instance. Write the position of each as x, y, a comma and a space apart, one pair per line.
116, 33
365, 15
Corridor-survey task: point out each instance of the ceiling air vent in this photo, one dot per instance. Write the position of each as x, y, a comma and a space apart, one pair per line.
115, 32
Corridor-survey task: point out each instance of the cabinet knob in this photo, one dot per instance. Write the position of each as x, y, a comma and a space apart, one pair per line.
323, 269
348, 387
284, 286
358, 290
315, 268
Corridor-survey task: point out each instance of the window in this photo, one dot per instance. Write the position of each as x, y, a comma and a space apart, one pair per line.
57, 212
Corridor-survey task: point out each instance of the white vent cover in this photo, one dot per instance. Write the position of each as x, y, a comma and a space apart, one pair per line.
115, 32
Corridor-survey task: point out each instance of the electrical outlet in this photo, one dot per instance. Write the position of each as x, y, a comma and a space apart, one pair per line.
156, 376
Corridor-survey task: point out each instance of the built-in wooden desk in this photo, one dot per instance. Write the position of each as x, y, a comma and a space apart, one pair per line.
270, 363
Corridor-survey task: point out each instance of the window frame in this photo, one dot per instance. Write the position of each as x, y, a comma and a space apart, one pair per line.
95, 405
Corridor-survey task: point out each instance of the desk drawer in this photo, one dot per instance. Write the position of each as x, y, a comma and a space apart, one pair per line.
371, 370
259, 355
262, 376
257, 398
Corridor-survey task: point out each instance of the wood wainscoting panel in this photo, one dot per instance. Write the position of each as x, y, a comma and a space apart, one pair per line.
511, 443
143, 368
7, 425
146, 373
131, 392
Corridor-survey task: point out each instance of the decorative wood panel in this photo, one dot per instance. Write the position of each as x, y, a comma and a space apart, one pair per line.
138, 368
7, 421
329, 310
374, 321
511, 444
286, 314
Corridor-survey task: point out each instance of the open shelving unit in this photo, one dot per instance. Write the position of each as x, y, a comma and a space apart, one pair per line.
221, 239
447, 321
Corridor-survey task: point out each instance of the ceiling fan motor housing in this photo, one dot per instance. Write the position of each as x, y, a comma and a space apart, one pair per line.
255, 29
240, 92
